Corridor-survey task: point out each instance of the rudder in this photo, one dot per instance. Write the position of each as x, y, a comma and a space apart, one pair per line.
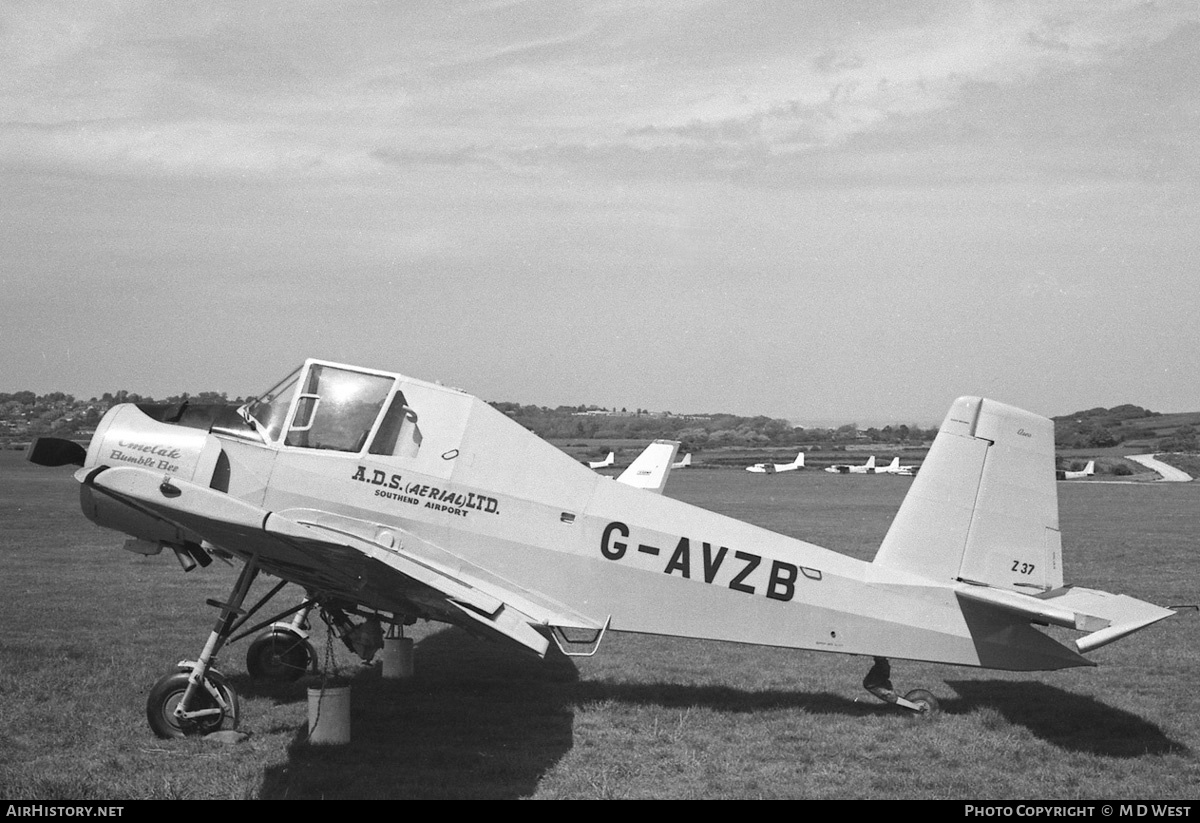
984, 507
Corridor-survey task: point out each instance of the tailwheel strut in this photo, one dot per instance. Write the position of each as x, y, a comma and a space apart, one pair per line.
195, 698
879, 683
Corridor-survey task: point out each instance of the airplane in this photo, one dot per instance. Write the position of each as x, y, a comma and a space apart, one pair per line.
774, 468
652, 467
1088, 471
895, 468
684, 463
390, 499
865, 468
600, 464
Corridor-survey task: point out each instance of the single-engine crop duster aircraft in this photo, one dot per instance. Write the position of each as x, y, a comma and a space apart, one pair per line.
390, 499
774, 468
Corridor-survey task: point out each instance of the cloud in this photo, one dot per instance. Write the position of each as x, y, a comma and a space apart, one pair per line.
276, 90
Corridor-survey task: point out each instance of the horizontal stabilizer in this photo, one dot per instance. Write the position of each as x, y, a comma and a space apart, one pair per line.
1106, 617
1125, 614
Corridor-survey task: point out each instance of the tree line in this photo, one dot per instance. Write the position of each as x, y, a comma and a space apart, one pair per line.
697, 431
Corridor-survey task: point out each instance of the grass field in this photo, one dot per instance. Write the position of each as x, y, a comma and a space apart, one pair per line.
87, 628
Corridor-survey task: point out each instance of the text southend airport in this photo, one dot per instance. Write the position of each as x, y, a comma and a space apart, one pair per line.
1106, 810
38, 810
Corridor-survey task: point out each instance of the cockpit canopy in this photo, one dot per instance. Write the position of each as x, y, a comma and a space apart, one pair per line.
329, 406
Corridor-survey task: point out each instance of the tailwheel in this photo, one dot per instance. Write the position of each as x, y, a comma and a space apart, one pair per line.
924, 701
279, 655
879, 683
206, 712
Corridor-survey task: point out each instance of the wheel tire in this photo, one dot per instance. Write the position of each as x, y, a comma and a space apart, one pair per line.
280, 656
924, 699
169, 690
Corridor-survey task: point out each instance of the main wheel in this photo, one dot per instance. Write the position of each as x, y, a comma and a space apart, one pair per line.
925, 699
279, 655
168, 691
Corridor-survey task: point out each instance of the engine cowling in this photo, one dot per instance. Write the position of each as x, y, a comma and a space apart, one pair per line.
127, 436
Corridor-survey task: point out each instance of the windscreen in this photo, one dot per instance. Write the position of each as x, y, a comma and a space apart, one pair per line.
337, 408
269, 410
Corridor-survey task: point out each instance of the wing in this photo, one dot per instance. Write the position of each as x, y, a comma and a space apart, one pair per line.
380, 567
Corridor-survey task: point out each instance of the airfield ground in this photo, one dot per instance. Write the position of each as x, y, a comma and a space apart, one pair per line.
87, 628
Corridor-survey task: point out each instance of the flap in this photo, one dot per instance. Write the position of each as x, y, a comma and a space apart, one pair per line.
428, 562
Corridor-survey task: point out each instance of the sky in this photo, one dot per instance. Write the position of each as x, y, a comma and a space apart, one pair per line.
825, 211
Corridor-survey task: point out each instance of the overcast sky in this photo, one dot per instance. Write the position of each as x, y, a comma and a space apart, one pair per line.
826, 211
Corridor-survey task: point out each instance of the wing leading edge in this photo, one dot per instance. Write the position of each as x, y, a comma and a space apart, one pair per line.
382, 566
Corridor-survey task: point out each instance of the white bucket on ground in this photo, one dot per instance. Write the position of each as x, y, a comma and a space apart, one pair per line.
397, 658
329, 715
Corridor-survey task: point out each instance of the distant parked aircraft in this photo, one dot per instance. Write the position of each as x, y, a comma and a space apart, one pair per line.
651, 468
895, 468
684, 463
1088, 471
772, 468
608, 461
842, 468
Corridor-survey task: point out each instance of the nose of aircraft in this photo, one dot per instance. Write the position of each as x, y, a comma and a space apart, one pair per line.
127, 436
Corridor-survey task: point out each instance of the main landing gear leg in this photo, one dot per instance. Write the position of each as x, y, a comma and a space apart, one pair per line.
879, 683
195, 699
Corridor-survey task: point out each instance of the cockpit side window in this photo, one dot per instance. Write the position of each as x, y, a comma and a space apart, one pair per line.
399, 433
337, 408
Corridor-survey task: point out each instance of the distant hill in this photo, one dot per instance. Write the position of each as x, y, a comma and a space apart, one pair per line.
1130, 427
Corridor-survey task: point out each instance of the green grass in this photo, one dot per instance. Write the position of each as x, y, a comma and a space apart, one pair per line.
88, 628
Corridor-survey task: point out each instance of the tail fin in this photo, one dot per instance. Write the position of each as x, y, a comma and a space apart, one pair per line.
799, 461
894, 466
684, 463
1090, 468
871, 462
651, 468
984, 507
